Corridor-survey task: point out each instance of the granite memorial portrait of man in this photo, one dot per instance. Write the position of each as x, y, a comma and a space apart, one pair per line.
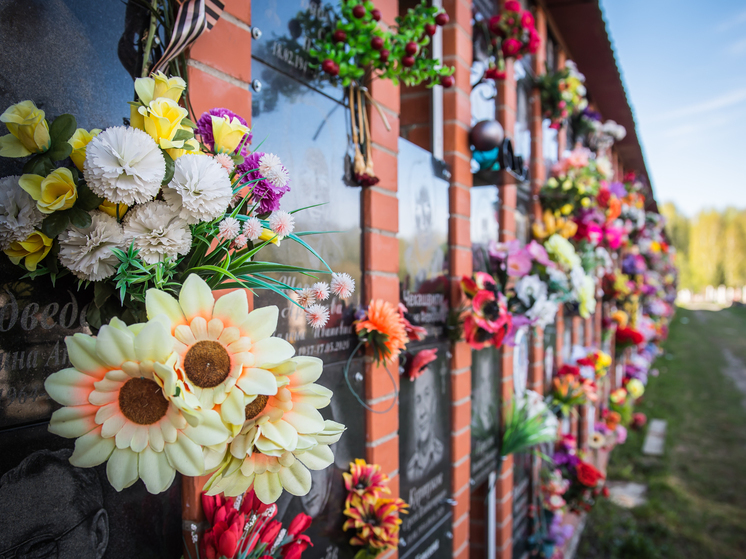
429, 450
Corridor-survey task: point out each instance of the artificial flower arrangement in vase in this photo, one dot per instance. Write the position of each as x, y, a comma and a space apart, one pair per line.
562, 94
372, 515
569, 389
157, 215
586, 482
528, 423
573, 277
510, 34
358, 48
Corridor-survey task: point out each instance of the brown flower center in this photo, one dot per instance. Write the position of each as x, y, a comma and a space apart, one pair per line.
255, 408
141, 401
207, 364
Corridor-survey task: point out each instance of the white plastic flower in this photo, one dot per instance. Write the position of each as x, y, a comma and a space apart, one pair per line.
200, 190
530, 288
117, 409
19, 215
281, 223
284, 437
543, 311
317, 315
224, 352
252, 228
343, 285
124, 165
157, 231
271, 168
603, 165
229, 228
86, 252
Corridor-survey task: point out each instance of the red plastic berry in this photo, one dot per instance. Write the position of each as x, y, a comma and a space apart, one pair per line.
330, 67
430, 29
358, 11
385, 55
376, 43
447, 81
407, 61
340, 36
376, 15
442, 18
411, 48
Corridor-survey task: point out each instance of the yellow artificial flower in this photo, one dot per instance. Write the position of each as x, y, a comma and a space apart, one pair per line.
585, 202
190, 146
227, 133
159, 86
29, 131
635, 388
111, 209
603, 359
552, 224
566, 209
269, 235
621, 318
54, 193
162, 120
34, 249
79, 141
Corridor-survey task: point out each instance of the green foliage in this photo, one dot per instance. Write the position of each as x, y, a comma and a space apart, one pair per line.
525, 428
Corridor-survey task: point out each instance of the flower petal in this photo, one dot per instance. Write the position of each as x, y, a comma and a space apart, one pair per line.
186, 456
140, 439
113, 425
271, 351
233, 408
281, 433
121, 469
155, 438
82, 352
232, 308
125, 434
210, 431
73, 422
308, 370
304, 418
69, 387
196, 298
115, 346
257, 381
296, 479
155, 471
91, 450
154, 343
268, 487
159, 302
261, 323
318, 458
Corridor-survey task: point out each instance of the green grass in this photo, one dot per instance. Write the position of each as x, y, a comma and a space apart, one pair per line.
697, 491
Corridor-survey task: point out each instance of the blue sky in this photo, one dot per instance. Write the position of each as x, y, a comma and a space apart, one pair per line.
684, 67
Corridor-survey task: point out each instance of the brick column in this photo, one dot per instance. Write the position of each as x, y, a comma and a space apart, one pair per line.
537, 169
380, 224
457, 52
562, 140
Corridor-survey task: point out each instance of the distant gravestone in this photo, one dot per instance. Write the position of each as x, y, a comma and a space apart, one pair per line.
655, 438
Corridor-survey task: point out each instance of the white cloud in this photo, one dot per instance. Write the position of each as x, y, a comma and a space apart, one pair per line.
732, 22
738, 47
735, 97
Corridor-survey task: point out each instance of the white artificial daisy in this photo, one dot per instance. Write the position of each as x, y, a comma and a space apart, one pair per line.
306, 298
229, 228
86, 251
252, 228
19, 215
200, 190
320, 290
317, 315
271, 168
343, 285
157, 231
281, 223
124, 165
225, 160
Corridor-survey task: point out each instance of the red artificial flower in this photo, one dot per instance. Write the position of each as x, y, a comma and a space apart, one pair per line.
420, 362
251, 503
628, 336
605, 492
568, 370
494, 25
494, 74
586, 362
296, 549
534, 41
630, 177
587, 474
639, 420
512, 6
555, 125
603, 197
511, 47
527, 20
270, 531
222, 539
414, 333
299, 524
210, 504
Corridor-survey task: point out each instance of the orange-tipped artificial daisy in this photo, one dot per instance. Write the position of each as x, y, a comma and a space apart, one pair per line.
365, 478
382, 327
375, 521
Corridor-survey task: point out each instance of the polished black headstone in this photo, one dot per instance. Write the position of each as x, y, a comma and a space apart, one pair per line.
485, 413
307, 130
425, 457
485, 226
423, 238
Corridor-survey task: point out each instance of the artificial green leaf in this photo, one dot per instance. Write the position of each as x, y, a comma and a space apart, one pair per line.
183, 135
55, 223
102, 290
59, 150
62, 128
39, 165
188, 122
169, 168
79, 217
87, 200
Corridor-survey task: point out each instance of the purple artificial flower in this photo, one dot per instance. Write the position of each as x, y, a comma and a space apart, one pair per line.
204, 128
519, 263
539, 253
621, 434
633, 264
591, 114
617, 189
264, 192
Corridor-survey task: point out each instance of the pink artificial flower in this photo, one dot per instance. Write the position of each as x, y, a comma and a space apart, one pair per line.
512, 6
343, 285
519, 264
511, 47
527, 20
281, 223
614, 236
420, 362
414, 333
579, 157
555, 126
534, 41
539, 253
317, 316
306, 297
320, 290
241, 241
621, 434
590, 231
225, 161
252, 228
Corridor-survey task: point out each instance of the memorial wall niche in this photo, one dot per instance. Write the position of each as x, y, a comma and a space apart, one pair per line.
307, 129
68, 56
425, 458
522, 462
423, 238
325, 502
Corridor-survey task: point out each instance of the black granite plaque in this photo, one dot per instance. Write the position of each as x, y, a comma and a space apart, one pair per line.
423, 238
307, 131
485, 227
288, 29
325, 501
485, 413
425, 457
567, 338
521, 362
550, 340
521, 503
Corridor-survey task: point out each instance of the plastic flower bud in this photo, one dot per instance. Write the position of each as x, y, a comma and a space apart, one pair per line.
79, 141
29, 130
159, 86
114, 210
34, 249
227, 133
54, 193
162, 120
566, 184
585, 202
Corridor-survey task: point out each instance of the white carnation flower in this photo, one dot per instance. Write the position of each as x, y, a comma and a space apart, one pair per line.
86, 252
124, 165
157, 231
543, 311
19, 215
200, 190
530, 288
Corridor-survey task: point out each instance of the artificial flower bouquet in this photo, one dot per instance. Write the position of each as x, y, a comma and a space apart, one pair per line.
528, 422
627, 337
572, 276
569, 389
586, 482
487, 320
245, 528
595, 361
510, 34
372, 515
575, 181
562, 93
